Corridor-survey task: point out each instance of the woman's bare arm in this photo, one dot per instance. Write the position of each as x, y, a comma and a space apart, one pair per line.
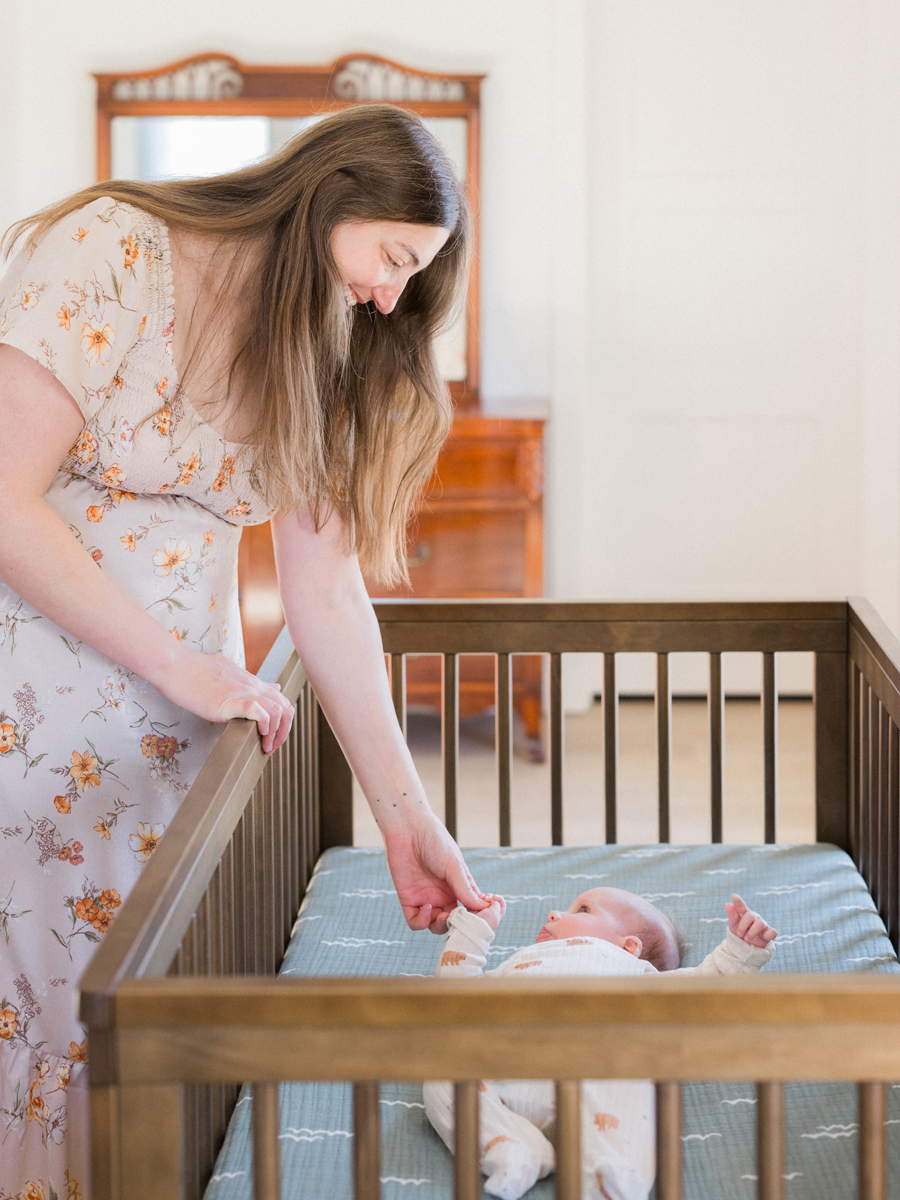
333, 627
47, 566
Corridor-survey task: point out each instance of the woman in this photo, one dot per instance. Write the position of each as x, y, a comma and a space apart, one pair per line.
178, 360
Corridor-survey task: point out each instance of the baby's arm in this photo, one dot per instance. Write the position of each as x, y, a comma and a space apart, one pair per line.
746, 949
468, 936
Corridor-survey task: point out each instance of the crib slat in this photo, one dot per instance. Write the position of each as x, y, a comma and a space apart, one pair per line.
398, 688
450, 739
366, 1142
716, 756
556, 750
610, 743
663, 742
568, 1139
881, 893
504, 745
266, 1184
466, 1165
770, 1141
865, 780
770, 745
855, 683
668, 1141
872, 1112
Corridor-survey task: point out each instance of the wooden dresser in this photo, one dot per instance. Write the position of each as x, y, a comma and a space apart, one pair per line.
478, 534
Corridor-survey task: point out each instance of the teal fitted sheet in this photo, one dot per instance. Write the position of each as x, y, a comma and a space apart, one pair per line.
350, 924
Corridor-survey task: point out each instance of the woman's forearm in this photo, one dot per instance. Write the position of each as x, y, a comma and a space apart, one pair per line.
44, 564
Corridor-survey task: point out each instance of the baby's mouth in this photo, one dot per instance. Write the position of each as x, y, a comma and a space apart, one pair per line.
545, 935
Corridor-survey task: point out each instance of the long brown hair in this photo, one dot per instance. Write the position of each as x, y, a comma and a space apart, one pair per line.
352, 410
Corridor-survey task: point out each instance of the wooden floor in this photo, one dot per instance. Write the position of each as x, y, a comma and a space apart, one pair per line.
583, 779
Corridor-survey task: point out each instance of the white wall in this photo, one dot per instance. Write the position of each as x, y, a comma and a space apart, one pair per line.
691, 218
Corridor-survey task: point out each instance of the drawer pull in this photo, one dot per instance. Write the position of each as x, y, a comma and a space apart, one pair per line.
421, 556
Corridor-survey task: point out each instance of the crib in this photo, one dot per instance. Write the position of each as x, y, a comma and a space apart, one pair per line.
182, 1005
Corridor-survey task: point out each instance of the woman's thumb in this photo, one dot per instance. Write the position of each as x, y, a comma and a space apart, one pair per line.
459, 879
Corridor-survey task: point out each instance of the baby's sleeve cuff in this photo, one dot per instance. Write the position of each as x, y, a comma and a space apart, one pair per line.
471, 925
747, 955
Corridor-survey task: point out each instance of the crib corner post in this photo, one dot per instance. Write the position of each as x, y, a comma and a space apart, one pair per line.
832, 748
166, 1181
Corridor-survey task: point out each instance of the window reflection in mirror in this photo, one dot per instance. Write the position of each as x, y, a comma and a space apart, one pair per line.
178, 147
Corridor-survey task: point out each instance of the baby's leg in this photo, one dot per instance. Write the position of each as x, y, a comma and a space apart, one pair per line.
514, 1153
618, 1139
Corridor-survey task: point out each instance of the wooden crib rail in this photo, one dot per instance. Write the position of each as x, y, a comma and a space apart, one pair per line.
451, 628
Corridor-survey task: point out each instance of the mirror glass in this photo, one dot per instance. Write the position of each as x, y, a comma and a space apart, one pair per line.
178, 147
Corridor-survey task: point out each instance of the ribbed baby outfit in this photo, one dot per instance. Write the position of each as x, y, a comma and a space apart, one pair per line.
618, 1115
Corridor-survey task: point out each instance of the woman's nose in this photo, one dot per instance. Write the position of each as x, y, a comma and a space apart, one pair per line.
386, 297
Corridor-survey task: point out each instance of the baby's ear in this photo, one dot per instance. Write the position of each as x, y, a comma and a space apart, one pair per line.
632, 944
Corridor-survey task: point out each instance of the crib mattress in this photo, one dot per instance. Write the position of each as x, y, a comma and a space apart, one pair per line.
350, 924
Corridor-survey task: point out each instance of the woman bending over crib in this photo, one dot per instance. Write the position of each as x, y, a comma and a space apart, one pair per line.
604, 932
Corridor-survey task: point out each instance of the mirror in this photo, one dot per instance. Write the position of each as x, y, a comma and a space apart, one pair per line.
209, 115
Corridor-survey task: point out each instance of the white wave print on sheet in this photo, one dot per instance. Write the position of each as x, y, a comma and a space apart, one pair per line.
312, 1135
397, 1179
833, 1132
353, 943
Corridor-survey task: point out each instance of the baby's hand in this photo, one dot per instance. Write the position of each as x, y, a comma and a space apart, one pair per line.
749, 926
496, 910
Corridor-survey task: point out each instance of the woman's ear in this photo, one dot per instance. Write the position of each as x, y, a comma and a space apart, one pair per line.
632, 944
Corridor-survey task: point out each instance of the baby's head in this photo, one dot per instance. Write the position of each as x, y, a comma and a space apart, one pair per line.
620, 917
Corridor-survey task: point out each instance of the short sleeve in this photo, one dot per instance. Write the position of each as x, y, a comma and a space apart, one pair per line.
79, 299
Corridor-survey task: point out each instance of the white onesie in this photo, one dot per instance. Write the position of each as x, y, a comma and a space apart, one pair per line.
618, 1115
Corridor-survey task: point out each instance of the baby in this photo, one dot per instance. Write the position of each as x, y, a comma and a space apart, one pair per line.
605, 931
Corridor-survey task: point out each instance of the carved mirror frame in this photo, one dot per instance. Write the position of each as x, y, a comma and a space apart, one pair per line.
218, 84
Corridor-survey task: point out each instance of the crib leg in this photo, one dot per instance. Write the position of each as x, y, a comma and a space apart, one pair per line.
872, 1142
161, 1104
366, 1142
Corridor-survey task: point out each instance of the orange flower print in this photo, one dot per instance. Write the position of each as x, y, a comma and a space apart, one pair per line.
78, 1051
8, 1023
238, 510
34, 1111
149, 745
188, 469
162, 422
96, 555
7, 737
167, 746
102, 828
162, 385
116, 382
84, 770
94, 513
109, 898
80, 235
209, 537
63, 1075
145, 841
65, 316
63, 803
102, 921
178, 636
33, 1189
131, 251
86, 909
77, 858
212, 604
72, 1190
65, 854
117, 495
113, 475
172, 556
85, 448
128, 540
142, 326
29, 295
225, 472
97, 343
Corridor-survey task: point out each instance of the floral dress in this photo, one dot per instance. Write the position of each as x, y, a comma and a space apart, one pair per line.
94, 762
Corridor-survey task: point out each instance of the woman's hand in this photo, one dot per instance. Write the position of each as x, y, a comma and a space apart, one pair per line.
429, 874
213, 687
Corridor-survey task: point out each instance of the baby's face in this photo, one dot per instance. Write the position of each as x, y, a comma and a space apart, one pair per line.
609, 913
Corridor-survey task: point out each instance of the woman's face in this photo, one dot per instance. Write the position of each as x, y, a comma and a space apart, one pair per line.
376, 258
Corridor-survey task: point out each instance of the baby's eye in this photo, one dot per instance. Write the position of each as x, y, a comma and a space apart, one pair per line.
584, 908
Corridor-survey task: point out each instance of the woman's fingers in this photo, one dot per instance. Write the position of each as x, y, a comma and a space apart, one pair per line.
417, 918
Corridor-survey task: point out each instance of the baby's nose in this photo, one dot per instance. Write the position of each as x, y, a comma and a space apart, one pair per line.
553, 916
